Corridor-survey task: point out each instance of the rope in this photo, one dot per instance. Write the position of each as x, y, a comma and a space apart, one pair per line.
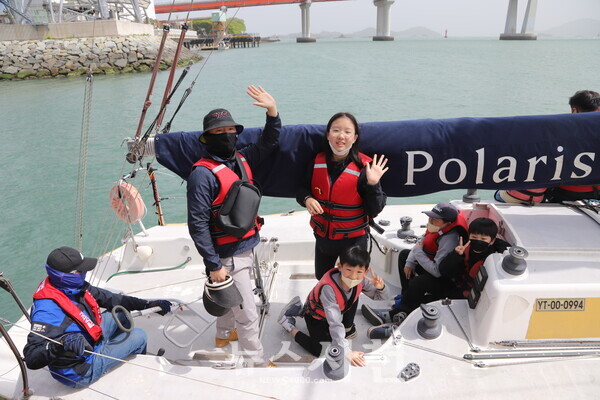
183, 264
83, 155
188, 91
6, 322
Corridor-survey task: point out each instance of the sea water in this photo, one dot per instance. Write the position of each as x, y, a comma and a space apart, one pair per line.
41, 125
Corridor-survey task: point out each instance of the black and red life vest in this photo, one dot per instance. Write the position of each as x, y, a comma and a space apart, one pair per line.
226, 178
314, 306
47, 291
527, 195
470, 272
560, 193
430, 241
574, 192
343, 215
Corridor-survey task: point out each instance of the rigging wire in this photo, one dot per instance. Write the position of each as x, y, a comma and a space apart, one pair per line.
106, 243
162, 371
188, 91
83, 151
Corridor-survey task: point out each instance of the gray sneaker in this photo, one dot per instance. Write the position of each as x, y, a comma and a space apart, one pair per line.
351, 332
375, 317
291, 309
288, 323
383, 331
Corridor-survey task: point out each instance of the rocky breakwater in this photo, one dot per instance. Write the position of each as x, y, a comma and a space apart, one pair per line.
73, 57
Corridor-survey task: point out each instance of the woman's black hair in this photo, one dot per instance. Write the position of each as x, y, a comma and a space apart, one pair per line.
355, 256
354, 149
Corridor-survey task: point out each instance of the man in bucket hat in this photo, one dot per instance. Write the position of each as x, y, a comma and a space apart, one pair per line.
208, 184
66, 309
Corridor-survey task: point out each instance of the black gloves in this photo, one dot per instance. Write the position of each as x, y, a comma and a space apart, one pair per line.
74, 343
165, 306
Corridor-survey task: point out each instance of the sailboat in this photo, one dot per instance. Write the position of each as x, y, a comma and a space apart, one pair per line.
530, 328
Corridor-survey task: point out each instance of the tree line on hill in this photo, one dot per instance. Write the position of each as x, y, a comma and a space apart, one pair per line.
204, 26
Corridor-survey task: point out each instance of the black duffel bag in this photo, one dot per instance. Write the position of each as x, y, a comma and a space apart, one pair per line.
238, 212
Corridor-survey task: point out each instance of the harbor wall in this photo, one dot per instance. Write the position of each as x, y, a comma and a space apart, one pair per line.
28, 59
65, 30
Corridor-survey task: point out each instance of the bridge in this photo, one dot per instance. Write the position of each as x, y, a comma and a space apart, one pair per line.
383, 15
170, 6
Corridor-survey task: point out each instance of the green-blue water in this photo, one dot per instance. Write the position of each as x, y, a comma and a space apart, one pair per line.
377, 81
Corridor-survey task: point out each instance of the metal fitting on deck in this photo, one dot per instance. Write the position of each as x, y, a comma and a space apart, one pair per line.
428, 326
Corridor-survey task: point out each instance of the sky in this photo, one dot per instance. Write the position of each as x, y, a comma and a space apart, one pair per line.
460, 17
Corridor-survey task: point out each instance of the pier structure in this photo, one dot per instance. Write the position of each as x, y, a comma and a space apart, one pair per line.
382, 32
305, 12
44, 12
172, 6
510, 29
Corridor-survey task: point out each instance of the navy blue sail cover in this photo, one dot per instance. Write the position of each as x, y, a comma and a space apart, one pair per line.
427, 156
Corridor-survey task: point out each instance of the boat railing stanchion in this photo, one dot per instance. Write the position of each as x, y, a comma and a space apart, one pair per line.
6, 284
471, 196
26, 391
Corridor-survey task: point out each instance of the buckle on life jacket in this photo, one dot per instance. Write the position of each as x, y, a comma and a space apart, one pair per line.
335, 206
319, 225
341, 231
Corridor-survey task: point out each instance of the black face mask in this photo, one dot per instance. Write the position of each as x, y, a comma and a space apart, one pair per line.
221, 145
479, 246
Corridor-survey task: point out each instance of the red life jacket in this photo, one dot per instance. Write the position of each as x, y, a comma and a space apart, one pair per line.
226, 178
343, 210
430, 241
580, 189
528, 196
466, 280
573, 192
47, 291
314, 307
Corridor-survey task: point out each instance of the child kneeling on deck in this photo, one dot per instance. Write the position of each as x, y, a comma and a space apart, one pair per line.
326, 306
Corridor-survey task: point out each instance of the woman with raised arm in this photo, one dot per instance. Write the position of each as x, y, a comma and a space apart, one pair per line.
342, 192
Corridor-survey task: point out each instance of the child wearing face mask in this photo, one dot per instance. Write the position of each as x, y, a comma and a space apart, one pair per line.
341, 191
462, 265
327, 307
419, 268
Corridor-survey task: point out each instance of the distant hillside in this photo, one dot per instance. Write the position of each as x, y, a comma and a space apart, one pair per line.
589, 28
418, 31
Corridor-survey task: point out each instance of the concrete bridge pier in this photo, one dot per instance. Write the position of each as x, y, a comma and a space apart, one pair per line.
305, 10
383, 20
510, 29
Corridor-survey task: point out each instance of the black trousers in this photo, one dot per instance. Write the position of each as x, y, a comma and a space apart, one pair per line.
327, 251
421, 288
318, 331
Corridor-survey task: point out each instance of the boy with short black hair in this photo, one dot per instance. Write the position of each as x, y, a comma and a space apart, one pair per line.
325, 311
419, 267
462, 265
457, 270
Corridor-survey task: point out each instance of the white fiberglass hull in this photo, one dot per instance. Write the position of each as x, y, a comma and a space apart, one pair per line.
506, 311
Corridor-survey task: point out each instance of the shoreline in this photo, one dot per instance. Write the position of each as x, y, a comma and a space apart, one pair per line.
107, 55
